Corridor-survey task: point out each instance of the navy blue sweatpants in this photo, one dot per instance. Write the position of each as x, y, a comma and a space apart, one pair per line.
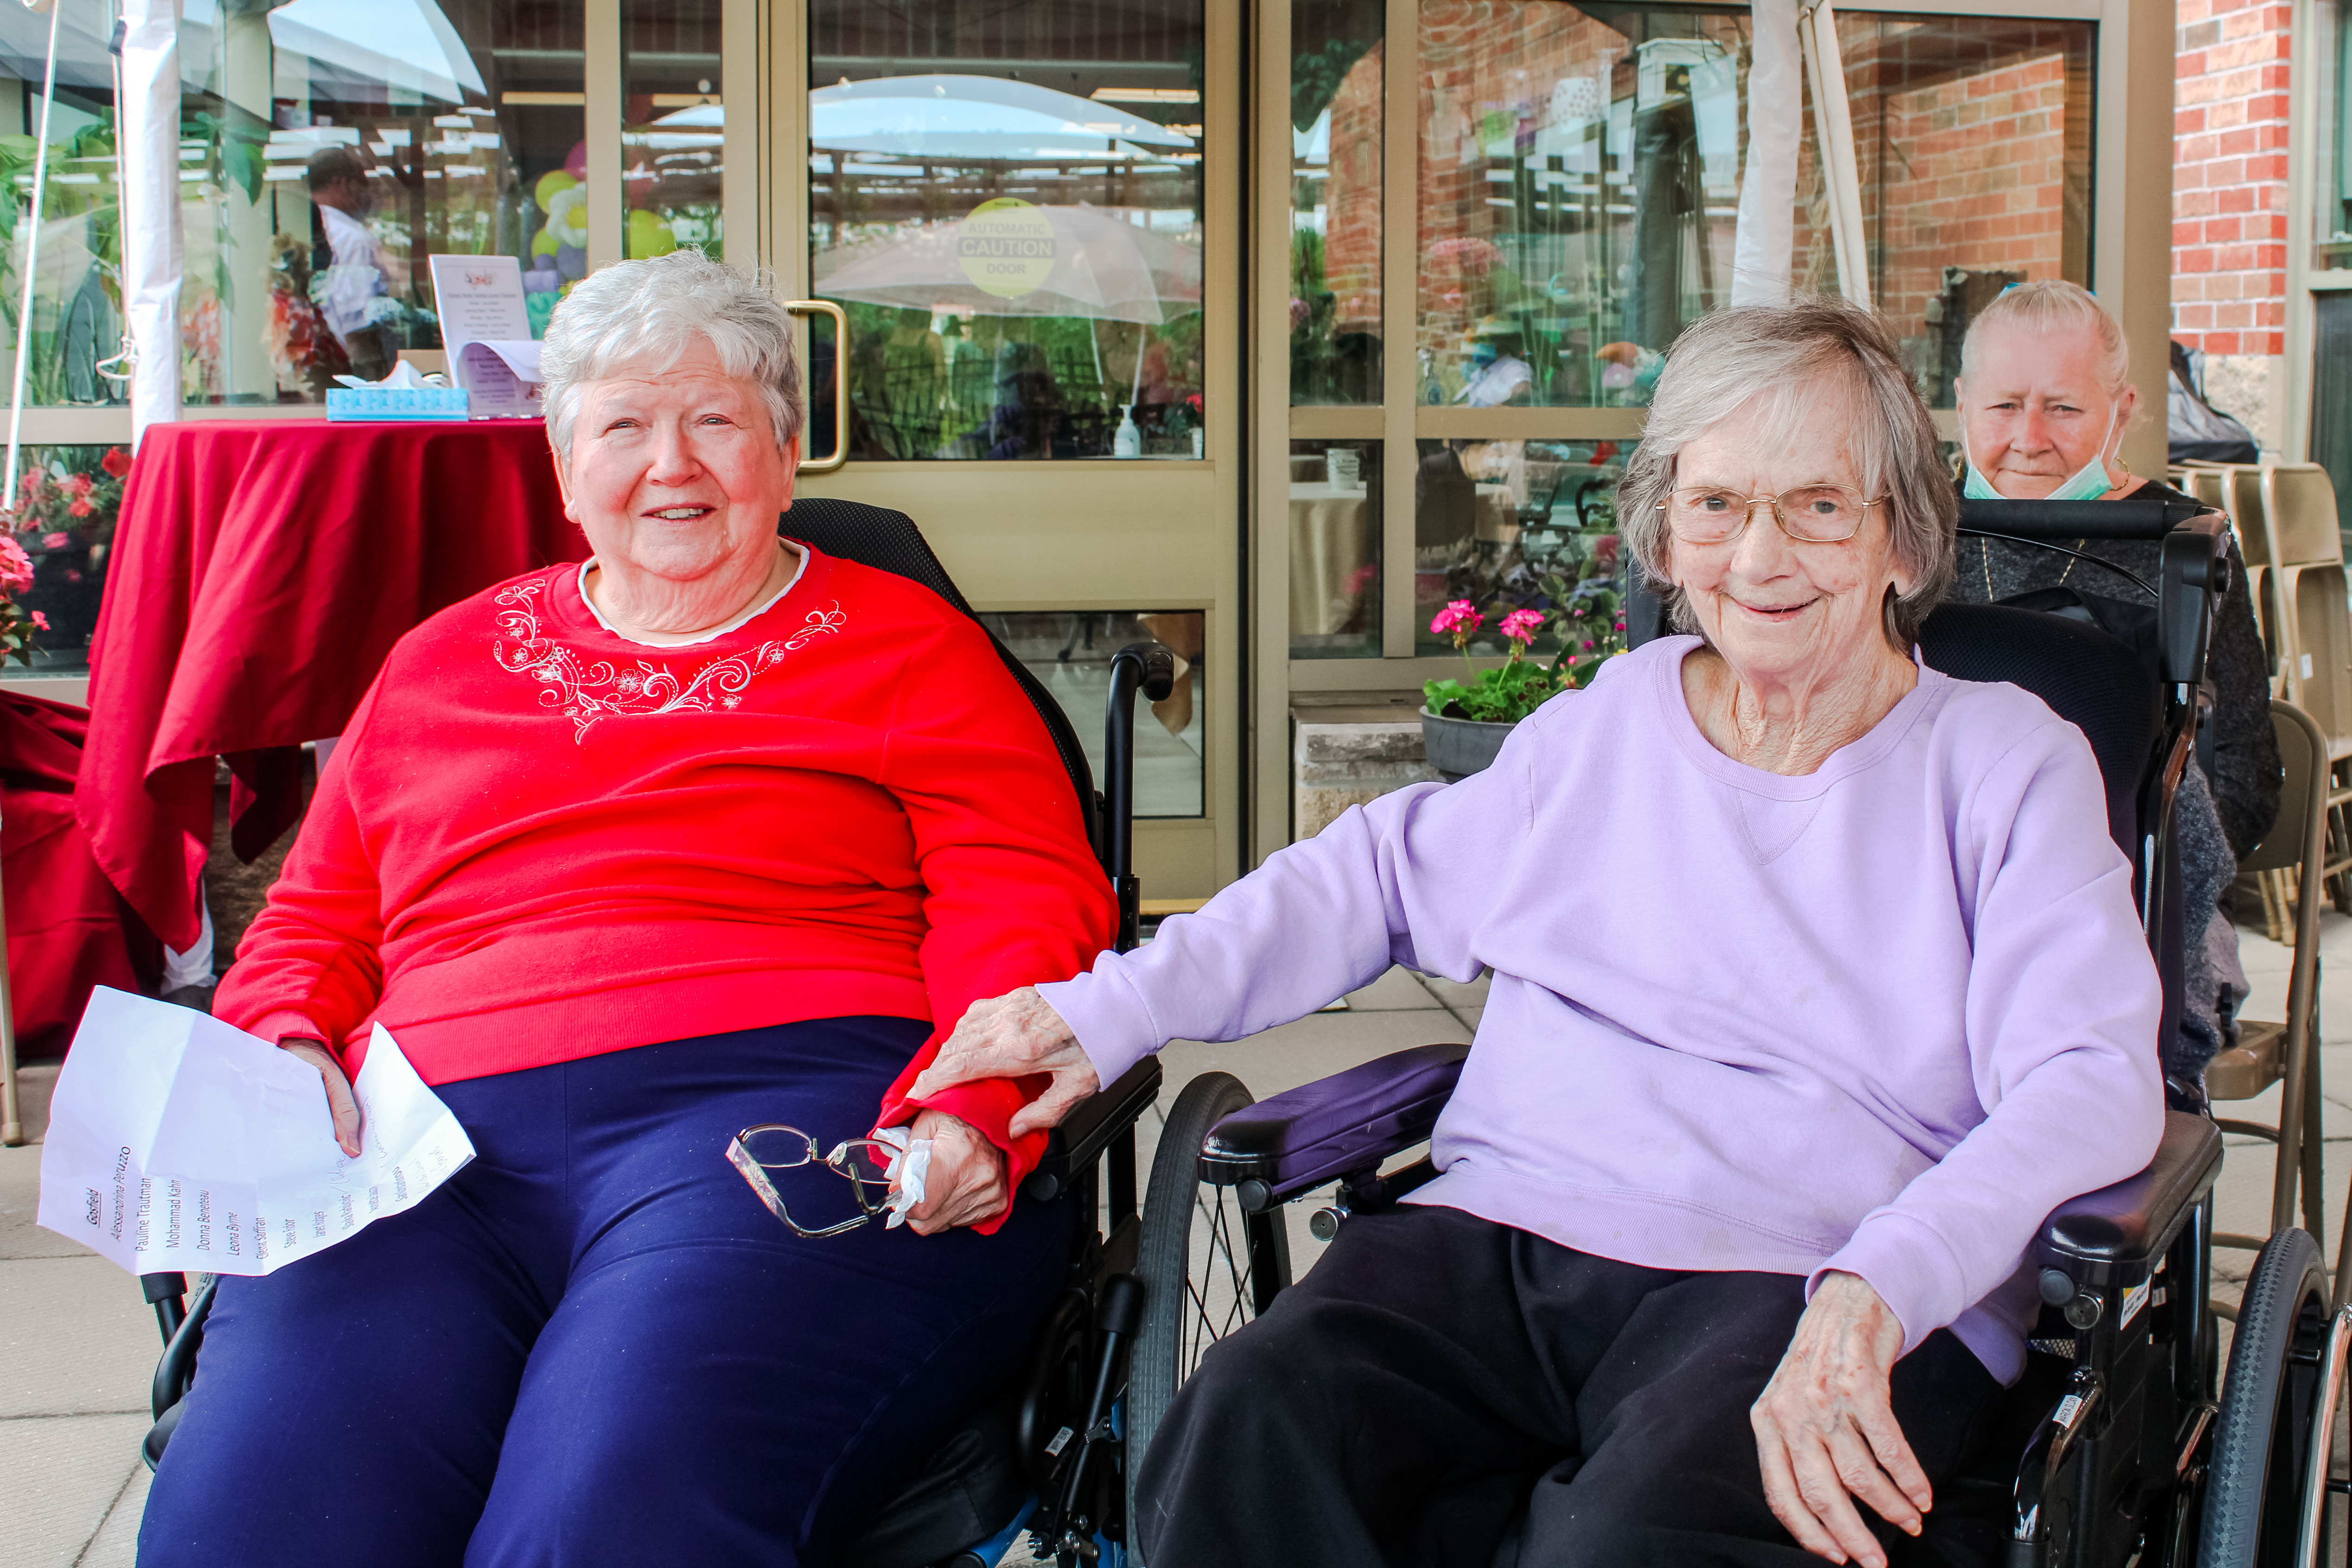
594, 1345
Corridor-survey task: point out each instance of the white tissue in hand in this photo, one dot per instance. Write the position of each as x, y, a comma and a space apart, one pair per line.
910, 1161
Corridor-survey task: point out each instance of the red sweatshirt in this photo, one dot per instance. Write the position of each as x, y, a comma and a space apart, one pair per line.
540, 841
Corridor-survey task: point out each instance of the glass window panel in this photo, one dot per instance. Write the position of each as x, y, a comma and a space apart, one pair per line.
673, 152
1973, 138
2331, 45
1336, 112
1519, 525
76, 296
1069, 651
1007, 202
1579, 182
322, 161
1335, 549
69, 498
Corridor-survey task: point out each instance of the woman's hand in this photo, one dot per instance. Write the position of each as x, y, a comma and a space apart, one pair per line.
341, 1104
1012, 1036
1825, 1430
965, 1181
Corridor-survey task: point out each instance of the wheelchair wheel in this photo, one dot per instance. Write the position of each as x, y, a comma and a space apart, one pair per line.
1206, 1267
2253, 1494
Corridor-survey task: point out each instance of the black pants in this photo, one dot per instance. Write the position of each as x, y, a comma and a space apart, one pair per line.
1445, 1391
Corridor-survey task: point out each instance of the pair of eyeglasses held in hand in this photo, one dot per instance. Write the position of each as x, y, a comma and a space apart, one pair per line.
772, 1146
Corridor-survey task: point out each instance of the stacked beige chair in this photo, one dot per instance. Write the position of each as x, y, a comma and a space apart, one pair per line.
2286, 1052
2298, 504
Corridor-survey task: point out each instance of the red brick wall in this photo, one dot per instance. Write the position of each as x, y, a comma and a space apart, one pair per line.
1979, 184
2228, 180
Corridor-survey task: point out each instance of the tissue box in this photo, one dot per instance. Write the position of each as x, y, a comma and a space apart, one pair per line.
396, 402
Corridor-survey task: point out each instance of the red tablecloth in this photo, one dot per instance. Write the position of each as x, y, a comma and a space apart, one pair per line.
261, 571
68, 930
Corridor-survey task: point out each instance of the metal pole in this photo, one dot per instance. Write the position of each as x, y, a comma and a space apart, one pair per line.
32, 258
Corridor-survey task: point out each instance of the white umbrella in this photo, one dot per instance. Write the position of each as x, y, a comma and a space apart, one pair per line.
975, 117
405, 42
1009, 258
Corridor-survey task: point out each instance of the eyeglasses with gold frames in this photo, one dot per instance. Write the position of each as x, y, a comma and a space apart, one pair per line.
1810, 514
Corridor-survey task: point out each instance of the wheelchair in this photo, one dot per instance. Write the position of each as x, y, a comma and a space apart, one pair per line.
1048, 1454
2122, 1443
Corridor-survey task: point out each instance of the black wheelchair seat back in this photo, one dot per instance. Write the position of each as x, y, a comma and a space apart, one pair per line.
2087, 678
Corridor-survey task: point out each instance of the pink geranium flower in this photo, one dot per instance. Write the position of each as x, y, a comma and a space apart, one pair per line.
55, 540
15, 566
41, 621
1521, 625
1460, 619
79, 484
79, 508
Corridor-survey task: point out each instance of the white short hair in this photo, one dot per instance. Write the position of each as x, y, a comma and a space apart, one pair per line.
2047, 306
643, 315
1771, 365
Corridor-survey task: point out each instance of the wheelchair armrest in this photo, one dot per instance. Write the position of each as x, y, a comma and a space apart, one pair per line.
1333, 1127
2116, 1237
1087, 1130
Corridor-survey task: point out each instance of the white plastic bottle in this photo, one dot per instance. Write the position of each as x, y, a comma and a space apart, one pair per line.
1128, 442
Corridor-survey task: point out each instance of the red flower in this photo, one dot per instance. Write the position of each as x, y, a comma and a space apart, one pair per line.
78, 508
79, 484
41, 621
117, 461
55, 540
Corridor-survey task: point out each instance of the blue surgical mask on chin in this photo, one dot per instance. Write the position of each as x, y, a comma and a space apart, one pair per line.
2088, 482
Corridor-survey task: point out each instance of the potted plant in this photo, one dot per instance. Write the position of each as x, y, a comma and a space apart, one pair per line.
17, 624
1464, 725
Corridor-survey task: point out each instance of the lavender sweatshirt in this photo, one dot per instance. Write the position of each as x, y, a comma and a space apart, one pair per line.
1880, 1019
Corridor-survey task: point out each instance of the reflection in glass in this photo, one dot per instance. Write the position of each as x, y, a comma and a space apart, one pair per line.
69, 498
327, 150
1335, 549
1513, 525
1335, 201
76, 297
1973, 137
1579, 189
674, 130
1008, 205
1069, 651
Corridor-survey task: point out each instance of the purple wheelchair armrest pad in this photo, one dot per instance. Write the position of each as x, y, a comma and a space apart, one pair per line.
1305, 1136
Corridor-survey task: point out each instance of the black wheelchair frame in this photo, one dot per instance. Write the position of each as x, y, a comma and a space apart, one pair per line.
1048, 1454
2124, 1451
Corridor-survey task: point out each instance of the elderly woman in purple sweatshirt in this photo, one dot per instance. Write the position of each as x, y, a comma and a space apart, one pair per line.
1726, 1254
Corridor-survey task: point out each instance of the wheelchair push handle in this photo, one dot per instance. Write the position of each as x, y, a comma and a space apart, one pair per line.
1148, 668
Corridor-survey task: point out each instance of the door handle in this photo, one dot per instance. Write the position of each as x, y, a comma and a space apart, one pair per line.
840, 453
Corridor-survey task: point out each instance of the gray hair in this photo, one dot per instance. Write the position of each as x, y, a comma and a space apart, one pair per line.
1775, 363
643, 315
2052, 305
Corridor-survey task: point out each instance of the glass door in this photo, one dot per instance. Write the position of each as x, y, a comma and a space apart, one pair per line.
1027, 215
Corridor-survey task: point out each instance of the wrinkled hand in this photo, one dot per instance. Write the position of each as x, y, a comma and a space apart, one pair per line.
342, 1106
1825, 1430
1012, 1036
965, 1181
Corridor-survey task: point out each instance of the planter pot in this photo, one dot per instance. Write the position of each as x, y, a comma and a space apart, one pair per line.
1457, 748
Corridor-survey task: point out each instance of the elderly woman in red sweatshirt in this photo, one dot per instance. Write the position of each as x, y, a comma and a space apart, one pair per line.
704, 833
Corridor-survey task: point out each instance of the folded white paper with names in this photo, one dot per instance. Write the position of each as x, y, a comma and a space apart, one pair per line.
178, 1142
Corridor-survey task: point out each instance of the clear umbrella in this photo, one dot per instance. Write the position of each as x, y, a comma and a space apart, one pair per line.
1010, 259
976, 117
